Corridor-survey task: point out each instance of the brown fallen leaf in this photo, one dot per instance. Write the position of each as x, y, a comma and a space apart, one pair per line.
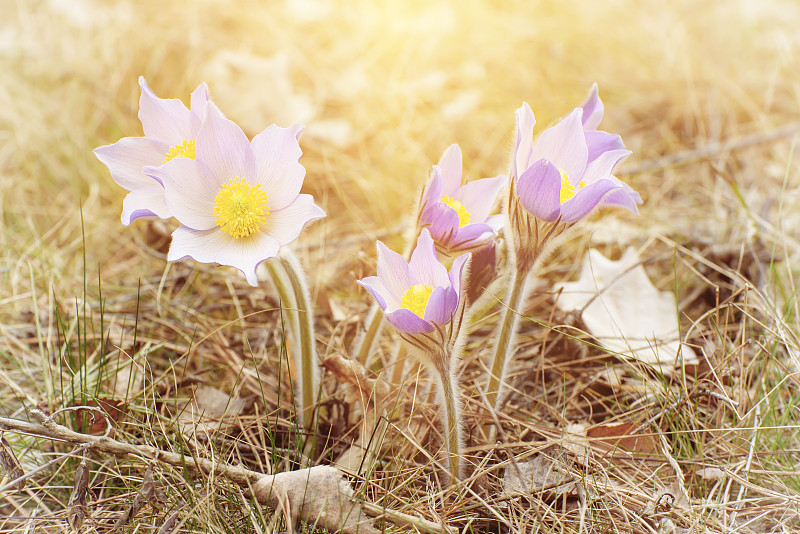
547, 474
10, 463
209, 411
619, 436
319, 495
76, 509
169, 523
150, 492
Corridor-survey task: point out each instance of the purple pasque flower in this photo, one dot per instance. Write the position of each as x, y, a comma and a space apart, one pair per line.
566, 173
458, 215
239, 201
419, 295
170, 129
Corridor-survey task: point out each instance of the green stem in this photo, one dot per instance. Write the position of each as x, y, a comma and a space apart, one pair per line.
309, 370
508, 329
374, 322
451, 416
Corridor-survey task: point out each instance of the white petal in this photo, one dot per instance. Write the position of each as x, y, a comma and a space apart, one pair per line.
279, 172
286, 224
189, 192
145, 202
127, 157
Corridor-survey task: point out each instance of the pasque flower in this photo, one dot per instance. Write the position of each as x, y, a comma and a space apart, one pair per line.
419, 295
566, 173
458, 216
170, 129
238, 201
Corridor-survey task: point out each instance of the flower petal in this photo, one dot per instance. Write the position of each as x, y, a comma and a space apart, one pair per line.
472, 235
603, 165
432, 193
479, 196
625, 198
599, 142
145, 202
424, 266
592, 110
450, 165
523, 147
457, 272
439, 308
393, 272
189, 192
215, 246
374, 285
167, 120
287, 223
279, 172
441, 220
539, 190
223, 148
565, 145
198, 103
409, 322
587, 199
127, 157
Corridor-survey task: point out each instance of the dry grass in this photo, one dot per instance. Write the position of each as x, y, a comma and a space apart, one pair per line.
89, 313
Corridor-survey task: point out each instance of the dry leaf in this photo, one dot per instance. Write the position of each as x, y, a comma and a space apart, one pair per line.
150, 492
169, 523
619, 436
76, 509
547, 473
10, 463
319, 495
624, 311
209, 411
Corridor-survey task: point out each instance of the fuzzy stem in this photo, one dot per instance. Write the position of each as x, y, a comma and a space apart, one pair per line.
309, 370
508, 329
374, 322
451, 419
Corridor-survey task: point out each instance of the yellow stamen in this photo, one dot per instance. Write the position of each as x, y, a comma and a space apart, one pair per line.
416, 299
182, 150
567, 189
463, 214
240, 208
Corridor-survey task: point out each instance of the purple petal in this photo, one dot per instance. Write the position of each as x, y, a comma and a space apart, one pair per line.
215, 246
190, 193
393, 272
374, 285
565, 145
586, 199
424, 266
145, 202
601, 167
523, 147
127, 157
439, 308
433, 189
450, 165
472, 235
539, 190
198, 103
441, 220
457, 273
599, 142
625, 198
167, 120
479, 196
280, 174
223, 148
409, 322
287, 223
592, 110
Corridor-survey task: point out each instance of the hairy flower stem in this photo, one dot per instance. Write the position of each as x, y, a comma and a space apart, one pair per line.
503, 348
309, 368
451, 419
374, 322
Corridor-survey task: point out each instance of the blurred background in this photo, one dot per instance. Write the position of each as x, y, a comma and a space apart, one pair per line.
384, 88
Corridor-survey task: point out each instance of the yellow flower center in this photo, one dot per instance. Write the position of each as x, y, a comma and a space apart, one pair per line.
463, 214
567, 189
416, 299
240, 208
182, 150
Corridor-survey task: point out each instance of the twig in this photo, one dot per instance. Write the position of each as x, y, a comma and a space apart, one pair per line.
238, 475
